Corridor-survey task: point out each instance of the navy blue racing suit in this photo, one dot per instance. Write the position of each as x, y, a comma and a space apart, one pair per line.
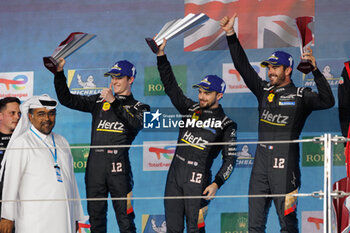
108, 169
282, 115
190, 170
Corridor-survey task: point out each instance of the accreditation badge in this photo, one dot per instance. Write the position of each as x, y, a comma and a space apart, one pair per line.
58, 173
106, 106
270, 97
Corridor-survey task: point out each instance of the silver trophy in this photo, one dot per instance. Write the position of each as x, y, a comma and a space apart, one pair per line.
71, 44
175, 27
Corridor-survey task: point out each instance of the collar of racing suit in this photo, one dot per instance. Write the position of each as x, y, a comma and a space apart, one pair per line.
124, 97
278, 89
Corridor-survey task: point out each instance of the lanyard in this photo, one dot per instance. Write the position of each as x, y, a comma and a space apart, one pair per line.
54, 155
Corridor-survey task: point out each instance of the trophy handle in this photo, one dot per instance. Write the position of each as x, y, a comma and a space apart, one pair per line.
51, 64
152, 44
305, 66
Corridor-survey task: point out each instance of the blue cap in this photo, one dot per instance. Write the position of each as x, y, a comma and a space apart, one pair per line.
122, 68
212, 83
279, 58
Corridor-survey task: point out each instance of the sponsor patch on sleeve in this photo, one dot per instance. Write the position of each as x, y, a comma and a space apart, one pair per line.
286, 103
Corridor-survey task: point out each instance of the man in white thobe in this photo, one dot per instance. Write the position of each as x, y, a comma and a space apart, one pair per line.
42, 170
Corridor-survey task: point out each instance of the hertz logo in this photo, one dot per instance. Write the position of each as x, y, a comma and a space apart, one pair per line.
107, 126
272, 119
197, 142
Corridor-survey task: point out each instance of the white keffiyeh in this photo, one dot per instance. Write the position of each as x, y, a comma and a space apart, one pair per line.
43, 101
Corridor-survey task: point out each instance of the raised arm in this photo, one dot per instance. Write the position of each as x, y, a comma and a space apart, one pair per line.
78, 102
324, 98
172, 89
239, 58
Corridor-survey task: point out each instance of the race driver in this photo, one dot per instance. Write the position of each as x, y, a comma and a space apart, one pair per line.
116, 120
190, 171
283, 109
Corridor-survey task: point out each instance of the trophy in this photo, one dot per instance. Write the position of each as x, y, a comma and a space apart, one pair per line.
305, 41
71, 44
175, 27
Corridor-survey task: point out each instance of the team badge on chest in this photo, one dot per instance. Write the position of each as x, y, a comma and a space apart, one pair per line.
195, 115
270, 97
106, 106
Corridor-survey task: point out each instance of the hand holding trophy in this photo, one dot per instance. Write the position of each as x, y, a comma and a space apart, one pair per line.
305, 41
72, 43
175, 27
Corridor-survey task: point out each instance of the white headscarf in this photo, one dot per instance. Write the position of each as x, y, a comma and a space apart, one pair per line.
43, 101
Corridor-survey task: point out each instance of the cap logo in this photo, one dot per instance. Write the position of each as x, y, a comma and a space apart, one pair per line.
115, 75
290, 59
116, 67
222, 87
273, 56
206, 81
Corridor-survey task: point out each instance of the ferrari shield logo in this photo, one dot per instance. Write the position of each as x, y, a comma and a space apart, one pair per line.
195, 116
270, 97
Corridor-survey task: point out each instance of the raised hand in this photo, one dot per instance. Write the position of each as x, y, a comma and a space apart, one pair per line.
107, 94
61, 63
227, 24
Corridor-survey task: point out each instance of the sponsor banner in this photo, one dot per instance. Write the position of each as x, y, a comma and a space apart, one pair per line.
312, 221
313, 154
331, 69
80, 156
87, 81
245, 153
153, 223
84, 225
259, 24
234, 222
153, 85
157, 155
17, 84
234, 81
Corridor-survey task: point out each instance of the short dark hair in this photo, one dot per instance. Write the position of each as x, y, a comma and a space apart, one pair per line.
285, 67
7, 100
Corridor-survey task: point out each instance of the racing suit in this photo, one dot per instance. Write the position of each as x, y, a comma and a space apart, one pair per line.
282, 114
190, 171
108, 170
344, 100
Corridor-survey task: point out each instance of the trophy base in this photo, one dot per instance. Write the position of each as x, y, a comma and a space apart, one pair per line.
152, 44
51, 64
305, 66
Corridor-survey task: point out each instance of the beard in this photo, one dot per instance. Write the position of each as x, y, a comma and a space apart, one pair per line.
277, 80
207, 105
